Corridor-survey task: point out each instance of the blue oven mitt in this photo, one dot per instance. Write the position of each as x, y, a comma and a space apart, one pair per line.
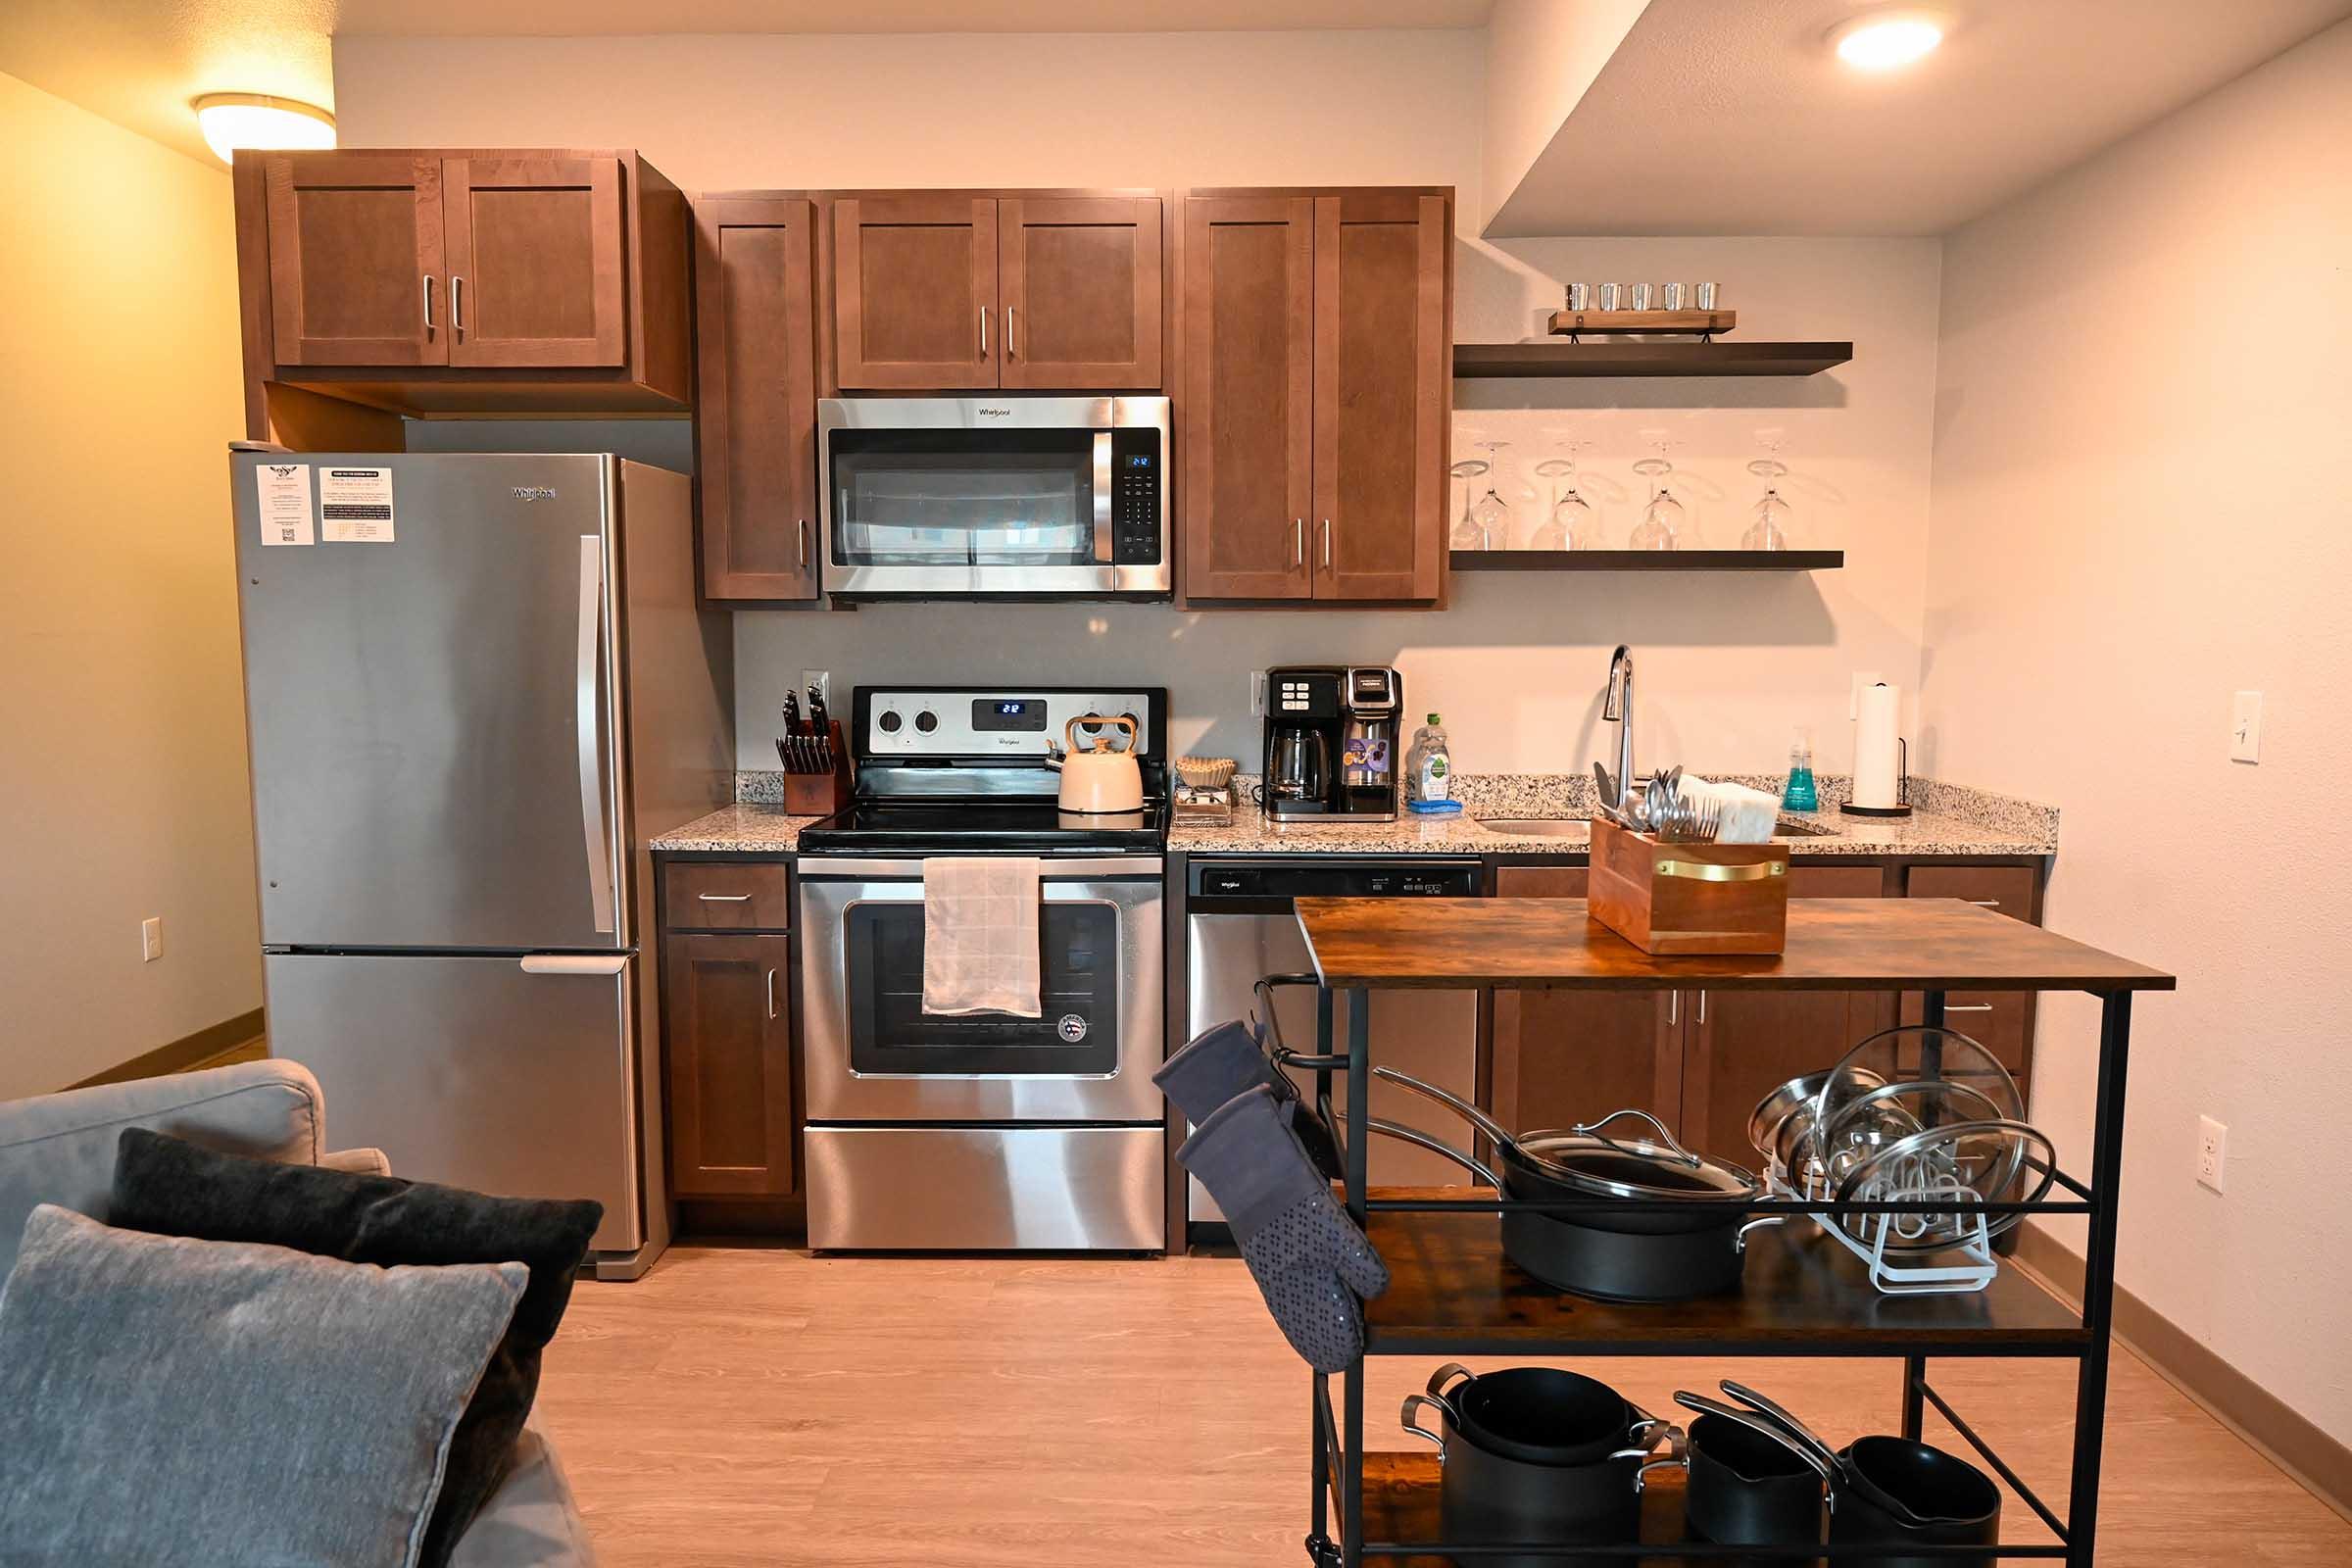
1308, 1257
1221, 1062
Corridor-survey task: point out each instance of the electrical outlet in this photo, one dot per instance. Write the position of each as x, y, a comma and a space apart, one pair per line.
822, 681
2245, 727
151, 938
1257, 694
2213, 1146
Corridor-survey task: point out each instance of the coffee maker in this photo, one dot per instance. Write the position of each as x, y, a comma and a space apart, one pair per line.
1333, 746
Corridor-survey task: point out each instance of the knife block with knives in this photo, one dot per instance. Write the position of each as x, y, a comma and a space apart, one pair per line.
816, 763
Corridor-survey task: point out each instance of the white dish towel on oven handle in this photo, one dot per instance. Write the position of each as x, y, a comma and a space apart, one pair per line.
980, 935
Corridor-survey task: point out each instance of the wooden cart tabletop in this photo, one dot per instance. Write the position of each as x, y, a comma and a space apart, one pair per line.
1833, 944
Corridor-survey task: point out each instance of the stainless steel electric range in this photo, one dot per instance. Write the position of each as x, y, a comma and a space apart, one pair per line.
987, 1132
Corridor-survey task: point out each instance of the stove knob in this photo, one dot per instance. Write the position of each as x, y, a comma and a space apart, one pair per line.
888, 722
926, 721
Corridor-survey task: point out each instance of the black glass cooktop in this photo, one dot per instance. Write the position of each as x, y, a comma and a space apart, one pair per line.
992, 827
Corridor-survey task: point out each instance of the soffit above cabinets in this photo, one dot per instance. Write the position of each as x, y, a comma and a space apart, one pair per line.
1734, 117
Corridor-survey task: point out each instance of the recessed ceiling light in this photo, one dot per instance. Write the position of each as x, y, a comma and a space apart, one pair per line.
233, 120
1886, 40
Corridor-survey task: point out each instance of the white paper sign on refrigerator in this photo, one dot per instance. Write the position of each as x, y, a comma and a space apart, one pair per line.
355, 505
283, 490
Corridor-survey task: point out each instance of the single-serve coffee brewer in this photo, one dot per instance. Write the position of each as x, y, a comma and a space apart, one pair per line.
1332, 741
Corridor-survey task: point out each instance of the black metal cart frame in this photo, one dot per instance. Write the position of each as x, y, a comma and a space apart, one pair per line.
1337, 1470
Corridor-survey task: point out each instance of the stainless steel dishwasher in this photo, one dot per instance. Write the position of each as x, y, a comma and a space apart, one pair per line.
1240, 926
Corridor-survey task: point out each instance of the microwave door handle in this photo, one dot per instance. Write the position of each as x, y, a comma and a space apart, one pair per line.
1102, 498
591, 740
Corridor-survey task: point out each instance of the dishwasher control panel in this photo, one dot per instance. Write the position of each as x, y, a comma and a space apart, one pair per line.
1340, 879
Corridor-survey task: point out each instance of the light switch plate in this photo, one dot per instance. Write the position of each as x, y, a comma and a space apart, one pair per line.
151, 938
2245, 727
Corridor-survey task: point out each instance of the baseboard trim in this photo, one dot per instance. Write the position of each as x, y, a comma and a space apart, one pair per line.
2316, 1462
181, 1054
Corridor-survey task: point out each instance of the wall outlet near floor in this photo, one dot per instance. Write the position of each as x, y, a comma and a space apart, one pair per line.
822, 681
151, 938
2213, 1145
2245, 727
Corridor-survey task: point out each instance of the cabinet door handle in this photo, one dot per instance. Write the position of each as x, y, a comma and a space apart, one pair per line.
457, 305
803, 529
984, 331
1326, 544
428, 305
1298, 541
1972, 1007
1986, 903
771, 995
725, 898
1012, 338
1674, 1008
1702, 1006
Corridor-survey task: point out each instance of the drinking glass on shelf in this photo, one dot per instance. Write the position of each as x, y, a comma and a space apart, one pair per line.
1466, 533
1572, 524
1492, 516
1770, 530
1661, 524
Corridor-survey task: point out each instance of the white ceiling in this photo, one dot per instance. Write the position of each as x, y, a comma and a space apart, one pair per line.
1722, 118
557, 17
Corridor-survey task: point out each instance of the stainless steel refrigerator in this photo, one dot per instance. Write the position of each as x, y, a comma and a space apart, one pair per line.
475, 686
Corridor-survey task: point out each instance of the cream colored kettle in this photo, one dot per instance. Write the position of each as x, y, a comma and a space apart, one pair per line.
1098, 780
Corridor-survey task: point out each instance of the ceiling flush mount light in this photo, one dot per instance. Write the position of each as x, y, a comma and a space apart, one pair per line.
1888, 40
233, 120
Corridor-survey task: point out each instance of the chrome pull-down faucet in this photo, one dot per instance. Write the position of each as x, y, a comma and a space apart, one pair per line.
1618, 705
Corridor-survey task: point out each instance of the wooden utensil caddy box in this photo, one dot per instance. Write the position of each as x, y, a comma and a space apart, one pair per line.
824, 792
1689, 897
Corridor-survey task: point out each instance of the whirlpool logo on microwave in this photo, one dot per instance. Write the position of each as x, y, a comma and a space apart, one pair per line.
987, 412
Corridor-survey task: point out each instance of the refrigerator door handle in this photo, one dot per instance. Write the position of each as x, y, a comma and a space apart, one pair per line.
575, 962
592, 796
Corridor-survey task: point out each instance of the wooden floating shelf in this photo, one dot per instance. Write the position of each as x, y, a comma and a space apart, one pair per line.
1569, 322
1453, 1292
1647, 559
1473, 361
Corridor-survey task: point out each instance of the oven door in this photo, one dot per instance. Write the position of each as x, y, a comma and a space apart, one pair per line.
871, 1053
1003, 496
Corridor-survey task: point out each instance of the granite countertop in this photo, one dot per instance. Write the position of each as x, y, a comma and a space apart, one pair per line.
746, 828
1948, 819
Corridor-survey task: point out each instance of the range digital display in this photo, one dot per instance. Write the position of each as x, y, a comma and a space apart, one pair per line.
996, 715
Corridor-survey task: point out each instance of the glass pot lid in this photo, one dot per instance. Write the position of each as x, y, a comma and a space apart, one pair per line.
1586, 1158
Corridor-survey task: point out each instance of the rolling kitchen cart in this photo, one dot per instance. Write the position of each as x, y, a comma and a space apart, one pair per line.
1453, 1294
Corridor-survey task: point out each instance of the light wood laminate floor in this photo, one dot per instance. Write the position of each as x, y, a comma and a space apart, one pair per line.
758, 1405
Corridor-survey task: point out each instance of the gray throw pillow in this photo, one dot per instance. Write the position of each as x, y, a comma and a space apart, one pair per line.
171, 1400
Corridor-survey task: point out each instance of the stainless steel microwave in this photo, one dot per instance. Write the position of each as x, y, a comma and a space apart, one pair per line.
995, 497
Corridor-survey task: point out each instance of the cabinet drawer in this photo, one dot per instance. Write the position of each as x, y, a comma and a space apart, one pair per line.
2006, 889
735, 897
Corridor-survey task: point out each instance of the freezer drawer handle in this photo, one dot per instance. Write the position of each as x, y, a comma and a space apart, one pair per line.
575, 962
592, 796
725, 898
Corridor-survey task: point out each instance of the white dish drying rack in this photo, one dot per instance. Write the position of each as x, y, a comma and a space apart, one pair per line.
1955, 1270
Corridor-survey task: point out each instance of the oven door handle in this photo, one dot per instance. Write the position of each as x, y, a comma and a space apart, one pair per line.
1050, 869
1102, 498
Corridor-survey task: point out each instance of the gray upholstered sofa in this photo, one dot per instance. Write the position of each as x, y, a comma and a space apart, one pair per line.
59, 1149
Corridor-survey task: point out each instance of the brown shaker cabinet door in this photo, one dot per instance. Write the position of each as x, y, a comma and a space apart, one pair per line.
355, 273
755, 398
1079, 278
1383, 386
914, 292
1245, 413
535, 262
2001, 1020
1744, 1043
1568, 1057
730, 1066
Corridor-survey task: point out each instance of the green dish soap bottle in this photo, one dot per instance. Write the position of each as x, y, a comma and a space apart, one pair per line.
1428, 771
1800, 795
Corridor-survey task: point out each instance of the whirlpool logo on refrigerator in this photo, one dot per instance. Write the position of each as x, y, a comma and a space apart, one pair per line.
534, 492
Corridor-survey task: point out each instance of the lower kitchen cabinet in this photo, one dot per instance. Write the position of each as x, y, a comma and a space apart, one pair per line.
729, 1036
1697, 1061
2001, 1020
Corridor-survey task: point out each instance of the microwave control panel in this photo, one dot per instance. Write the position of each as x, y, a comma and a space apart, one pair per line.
1136, 483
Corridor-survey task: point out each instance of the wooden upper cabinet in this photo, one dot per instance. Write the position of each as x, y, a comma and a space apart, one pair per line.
534, 247
355, 260
755, 397
915, 288
1079, 279
1383, 389
1247, 414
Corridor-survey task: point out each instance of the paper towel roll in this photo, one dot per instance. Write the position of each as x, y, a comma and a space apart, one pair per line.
1876, 773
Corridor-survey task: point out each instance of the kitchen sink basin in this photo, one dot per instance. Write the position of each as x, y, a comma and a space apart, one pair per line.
1576, 827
